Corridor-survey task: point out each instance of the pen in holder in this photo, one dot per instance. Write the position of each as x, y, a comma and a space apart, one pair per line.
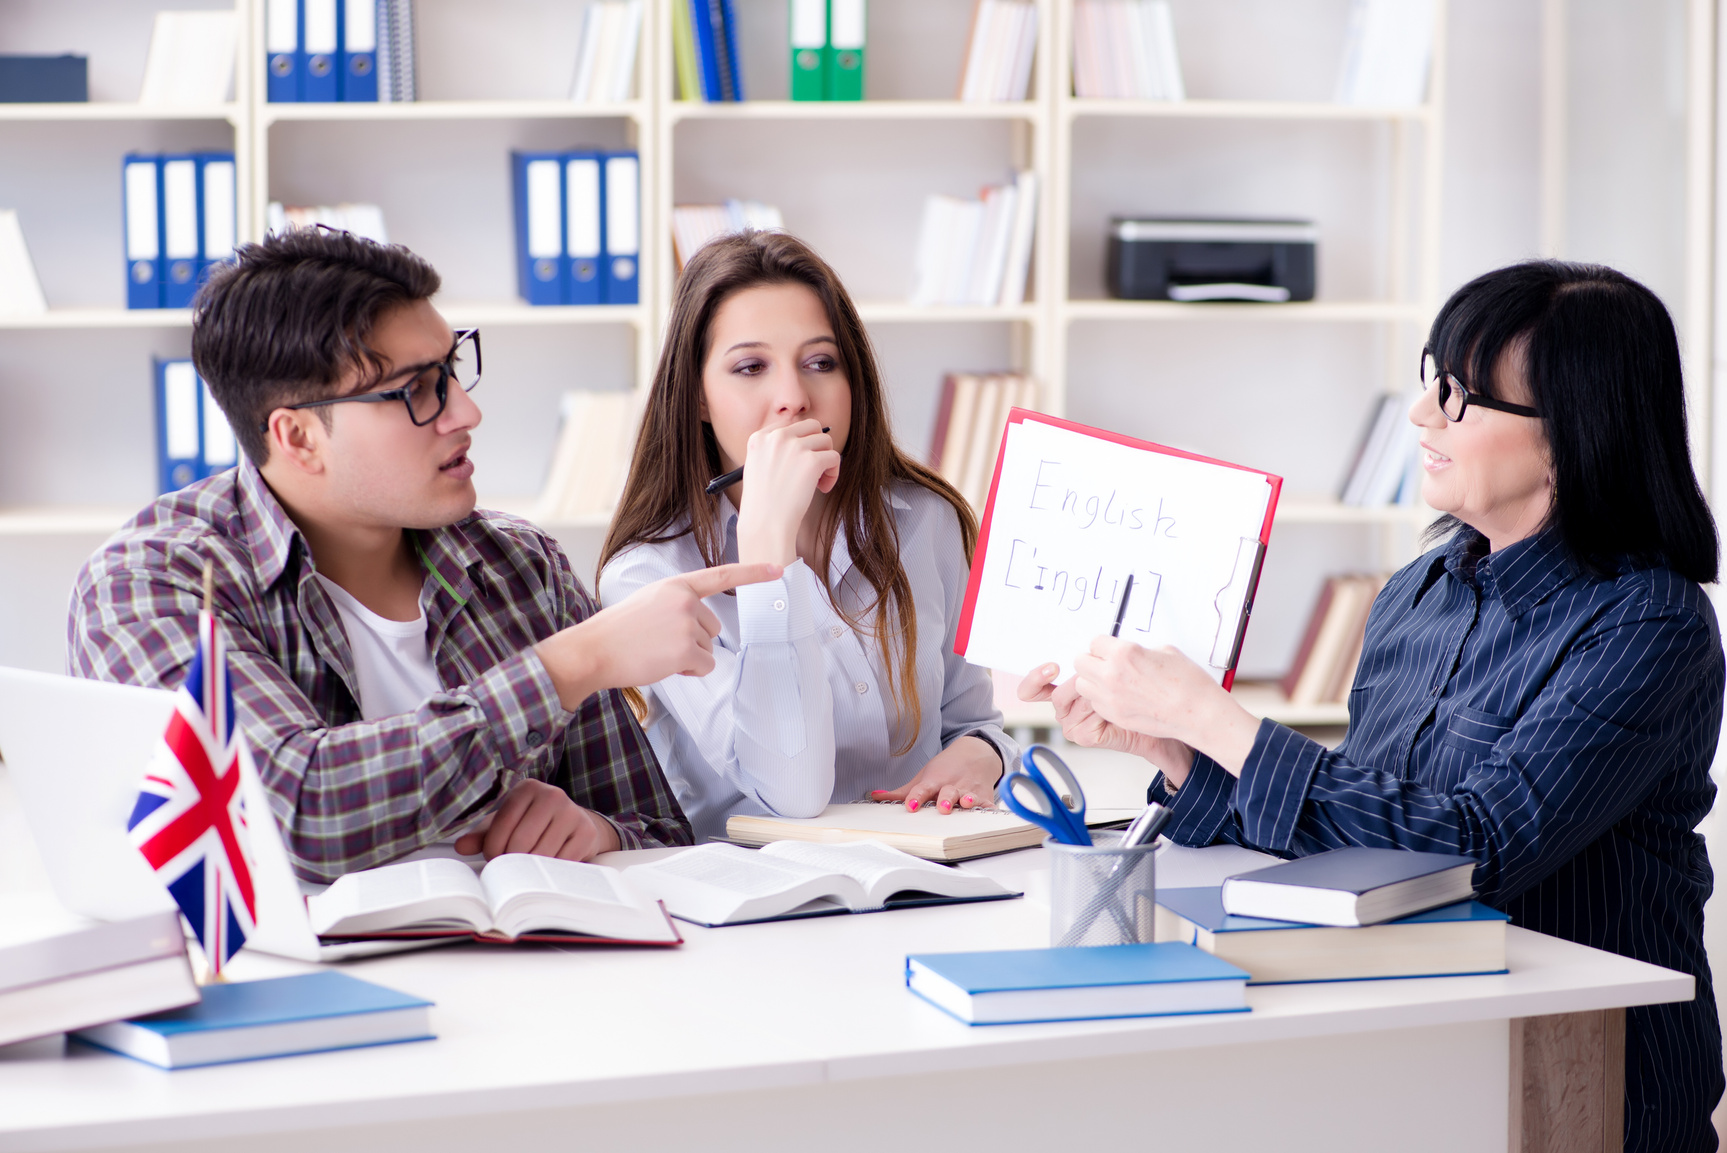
1102, 894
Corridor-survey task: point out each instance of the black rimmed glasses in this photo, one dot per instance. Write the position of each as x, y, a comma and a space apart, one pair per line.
1455, 399
428, 389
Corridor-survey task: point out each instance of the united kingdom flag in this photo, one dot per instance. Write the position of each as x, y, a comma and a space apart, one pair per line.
190, 819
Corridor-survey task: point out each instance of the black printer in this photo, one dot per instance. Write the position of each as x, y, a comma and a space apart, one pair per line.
1189, 260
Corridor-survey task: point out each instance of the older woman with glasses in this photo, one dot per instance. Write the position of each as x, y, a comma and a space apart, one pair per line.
1542, 693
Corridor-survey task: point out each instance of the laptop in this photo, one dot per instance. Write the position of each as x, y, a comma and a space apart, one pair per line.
76, 751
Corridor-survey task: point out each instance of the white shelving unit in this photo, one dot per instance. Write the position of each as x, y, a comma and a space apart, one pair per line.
852, 178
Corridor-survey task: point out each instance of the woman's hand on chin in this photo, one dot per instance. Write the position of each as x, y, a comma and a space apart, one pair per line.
1162, 693
1082, 724
961, 776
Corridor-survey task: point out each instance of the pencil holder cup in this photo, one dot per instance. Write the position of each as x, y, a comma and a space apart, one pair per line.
1102, 894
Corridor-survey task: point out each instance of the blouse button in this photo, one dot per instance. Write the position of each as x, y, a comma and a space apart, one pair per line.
837, 631
779, 606
862, 688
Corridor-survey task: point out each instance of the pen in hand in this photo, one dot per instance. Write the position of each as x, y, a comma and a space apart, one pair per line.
1120, 611
726, 479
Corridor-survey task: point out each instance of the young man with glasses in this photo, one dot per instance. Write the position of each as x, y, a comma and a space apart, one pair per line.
406, 668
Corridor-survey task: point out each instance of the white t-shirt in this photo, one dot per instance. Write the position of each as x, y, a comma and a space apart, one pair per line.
391, 661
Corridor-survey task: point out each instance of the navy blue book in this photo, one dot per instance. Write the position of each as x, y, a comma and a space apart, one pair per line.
1019, 986
1353, 886
1452, 940
248, 1020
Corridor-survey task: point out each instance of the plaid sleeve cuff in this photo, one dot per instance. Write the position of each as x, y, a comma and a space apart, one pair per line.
521, 706
1274, 784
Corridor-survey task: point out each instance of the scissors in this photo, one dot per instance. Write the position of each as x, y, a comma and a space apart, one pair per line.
1058, 808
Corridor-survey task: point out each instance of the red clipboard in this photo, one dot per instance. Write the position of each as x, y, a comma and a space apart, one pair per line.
962, 636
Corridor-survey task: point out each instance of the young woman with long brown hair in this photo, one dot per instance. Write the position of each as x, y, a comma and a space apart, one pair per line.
837, 682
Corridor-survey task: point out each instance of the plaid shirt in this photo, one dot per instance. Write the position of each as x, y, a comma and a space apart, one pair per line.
350, 793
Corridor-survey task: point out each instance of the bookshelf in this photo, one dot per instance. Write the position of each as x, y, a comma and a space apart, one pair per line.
1256, 138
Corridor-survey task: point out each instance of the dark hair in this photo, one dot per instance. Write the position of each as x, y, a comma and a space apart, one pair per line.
676, 453
1603, 370
290, 315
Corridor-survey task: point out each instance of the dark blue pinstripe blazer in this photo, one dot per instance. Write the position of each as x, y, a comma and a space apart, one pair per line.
1555, 727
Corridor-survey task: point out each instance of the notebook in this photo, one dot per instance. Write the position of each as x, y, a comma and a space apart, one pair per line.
1350, 886
927, 833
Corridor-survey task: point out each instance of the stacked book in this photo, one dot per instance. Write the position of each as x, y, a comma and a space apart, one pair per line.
606, 60
705, 51
20, 290
1387, 52
693, 225
591, 457
1324, 666
970, 420
365, 220
1382, 456
191, 60
999, 51
977, 252
1125, 50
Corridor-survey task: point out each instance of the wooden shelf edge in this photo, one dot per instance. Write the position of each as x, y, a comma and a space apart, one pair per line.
450, 110
680, 110
1076, 108
111, 110
93, 318
1236, 310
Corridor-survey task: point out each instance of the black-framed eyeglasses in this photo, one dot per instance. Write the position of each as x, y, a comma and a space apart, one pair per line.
1455, 398
428, 390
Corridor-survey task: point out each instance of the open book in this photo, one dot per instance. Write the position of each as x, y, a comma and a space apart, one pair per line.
728, 885
515, 897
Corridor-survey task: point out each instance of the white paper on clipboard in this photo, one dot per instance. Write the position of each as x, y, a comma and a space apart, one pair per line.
1073, 514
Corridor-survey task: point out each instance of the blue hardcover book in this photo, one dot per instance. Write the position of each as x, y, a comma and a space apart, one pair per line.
622, 198
282, 56
360, 51
180, 230
584, 228
248, 1020
321, 44
1018, 986
217, 211
703, 16
539, 193
141, 182
1454, 940
1350, 886
179, 425
726, 49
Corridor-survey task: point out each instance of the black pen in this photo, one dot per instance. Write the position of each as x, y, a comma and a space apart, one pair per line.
1121, 609
725, 480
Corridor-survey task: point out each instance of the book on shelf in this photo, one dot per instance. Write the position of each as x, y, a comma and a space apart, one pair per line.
346, 51
1350, 886
179, 217
516, 897
826, 41
606, 58
1018, 986
1452, 940
1125, 50
61, 971
35, 78
193, 437
365, 220
1378, 473
977, 252
999, 51
970, 418
191, 59
693, 225
705, 51
934, 836
1325, 661
1387, 52
278, 1017
728, 885
20, 289
591, 458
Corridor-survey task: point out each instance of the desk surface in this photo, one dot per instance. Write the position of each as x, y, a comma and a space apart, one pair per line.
750, 1007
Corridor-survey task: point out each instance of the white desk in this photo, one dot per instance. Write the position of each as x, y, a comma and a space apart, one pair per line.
801, 1036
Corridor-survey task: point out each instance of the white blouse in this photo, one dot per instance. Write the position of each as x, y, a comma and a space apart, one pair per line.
795, 714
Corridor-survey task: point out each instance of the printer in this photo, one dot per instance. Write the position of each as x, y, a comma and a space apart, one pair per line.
1197, 259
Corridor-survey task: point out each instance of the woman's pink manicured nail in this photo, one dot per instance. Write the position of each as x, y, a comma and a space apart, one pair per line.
946, 807
968, 799
877, 792
912, 806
